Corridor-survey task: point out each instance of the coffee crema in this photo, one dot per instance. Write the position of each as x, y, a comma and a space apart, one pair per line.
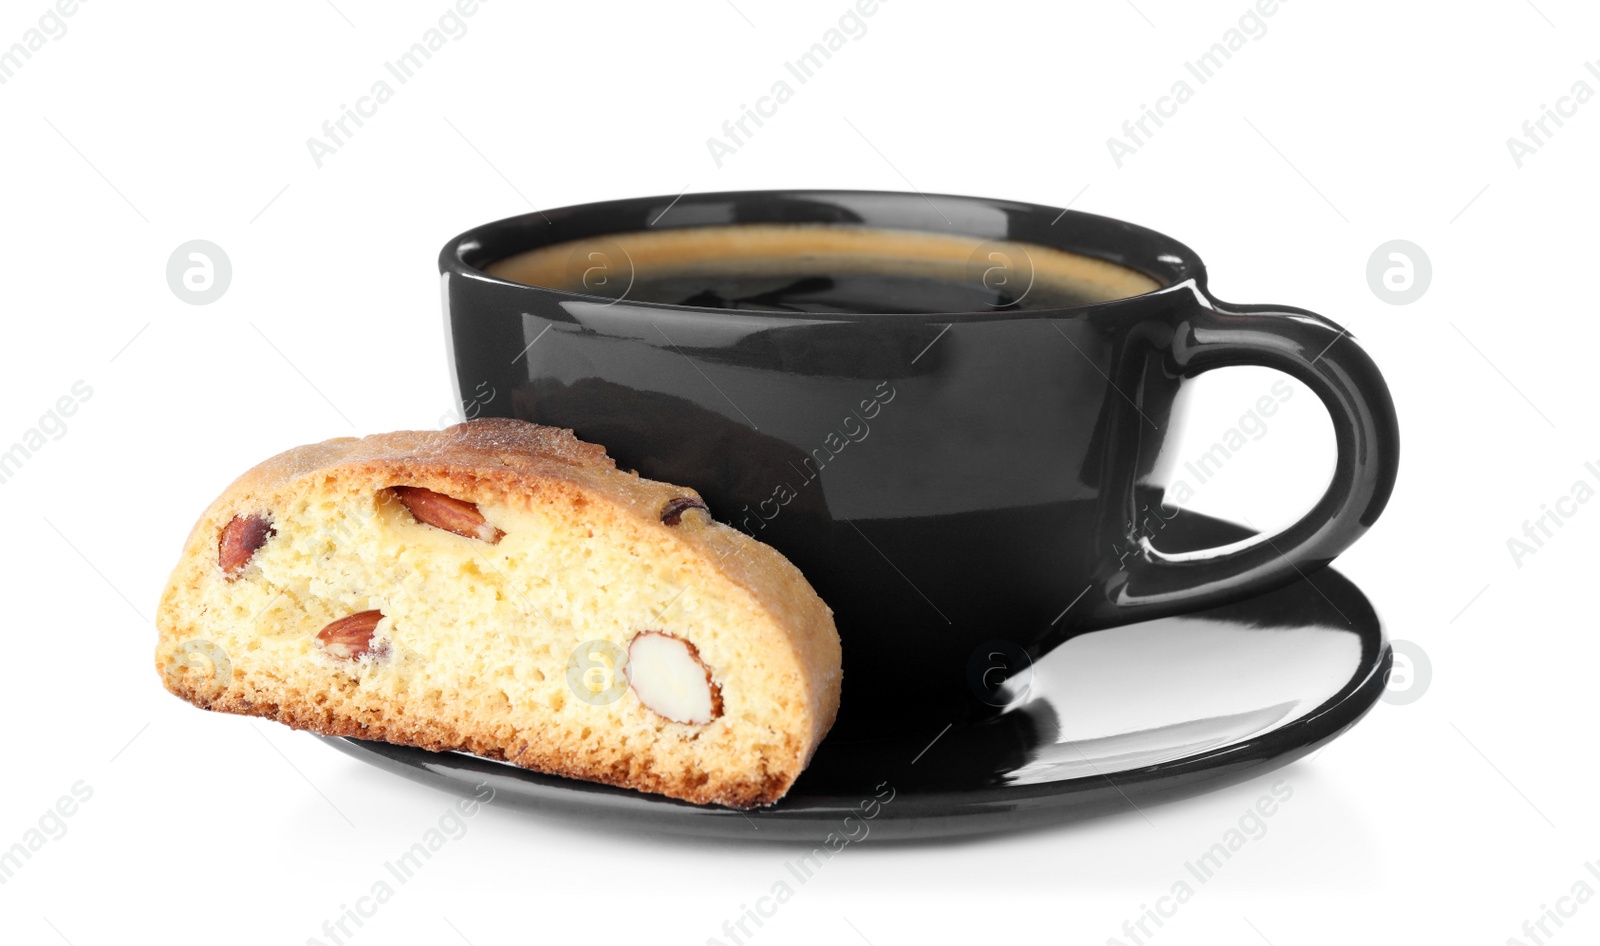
823, 268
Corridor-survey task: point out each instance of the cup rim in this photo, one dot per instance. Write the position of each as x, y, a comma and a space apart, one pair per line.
1174, 265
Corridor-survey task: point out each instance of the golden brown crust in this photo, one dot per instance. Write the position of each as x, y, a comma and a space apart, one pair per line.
515, 463
757, 790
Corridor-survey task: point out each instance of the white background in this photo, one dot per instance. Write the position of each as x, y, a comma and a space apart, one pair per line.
1452, 819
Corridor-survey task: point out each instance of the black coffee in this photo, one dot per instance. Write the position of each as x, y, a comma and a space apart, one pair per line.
821, 268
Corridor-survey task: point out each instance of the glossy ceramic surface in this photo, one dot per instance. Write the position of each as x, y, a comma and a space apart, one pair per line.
945, 479
1110, 721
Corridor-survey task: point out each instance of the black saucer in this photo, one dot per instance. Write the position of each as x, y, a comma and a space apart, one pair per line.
1111, 720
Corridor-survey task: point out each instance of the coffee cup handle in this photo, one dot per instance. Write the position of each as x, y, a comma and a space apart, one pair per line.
1327, 359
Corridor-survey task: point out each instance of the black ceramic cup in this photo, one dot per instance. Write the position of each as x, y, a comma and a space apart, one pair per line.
949, 412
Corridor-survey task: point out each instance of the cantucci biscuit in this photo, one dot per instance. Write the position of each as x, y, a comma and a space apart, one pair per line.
501, 588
